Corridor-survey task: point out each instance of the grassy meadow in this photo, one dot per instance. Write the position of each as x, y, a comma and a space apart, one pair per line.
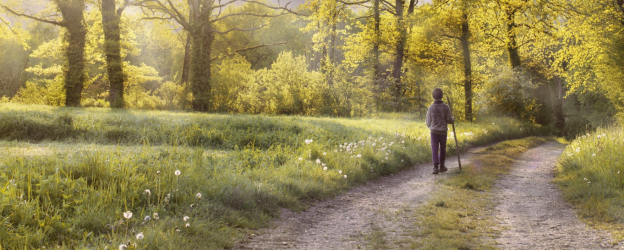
78, 178
591, 176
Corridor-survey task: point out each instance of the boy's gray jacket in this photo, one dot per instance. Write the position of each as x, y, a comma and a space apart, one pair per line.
439, 116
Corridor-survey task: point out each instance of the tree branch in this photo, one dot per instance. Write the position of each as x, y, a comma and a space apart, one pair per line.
33, 17
285, 8
246, 14
239, 29
246, 49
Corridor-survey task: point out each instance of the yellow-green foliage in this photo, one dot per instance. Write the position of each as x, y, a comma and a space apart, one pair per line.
90, 165
457, 216
591, 176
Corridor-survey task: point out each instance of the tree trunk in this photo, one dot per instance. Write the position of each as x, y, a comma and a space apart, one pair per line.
377, 35
187, 60
332, 53
512, 44
112, 48
465, 35
72, 12
558, 107
201, 56
400, 47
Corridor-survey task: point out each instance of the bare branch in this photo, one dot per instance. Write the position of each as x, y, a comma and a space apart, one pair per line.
239, 29
285, 8
250, 48
247, 14
33, 17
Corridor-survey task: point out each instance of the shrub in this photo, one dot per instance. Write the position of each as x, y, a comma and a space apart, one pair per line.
509, 93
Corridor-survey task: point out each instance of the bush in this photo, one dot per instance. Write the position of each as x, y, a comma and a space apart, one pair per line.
509, 93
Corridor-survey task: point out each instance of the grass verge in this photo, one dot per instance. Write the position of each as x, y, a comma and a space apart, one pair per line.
191, 181
591, 177
458, 215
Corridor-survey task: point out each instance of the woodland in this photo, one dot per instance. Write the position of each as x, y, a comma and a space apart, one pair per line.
545, 61
190, 124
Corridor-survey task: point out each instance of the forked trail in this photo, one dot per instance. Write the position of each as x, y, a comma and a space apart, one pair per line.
531, 211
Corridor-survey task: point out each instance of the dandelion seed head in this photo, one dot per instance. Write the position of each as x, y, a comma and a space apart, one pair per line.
339, 171
127, 214
324, 168
318, 161
345, 176
139, 236
177, 172
198, 195
147, 218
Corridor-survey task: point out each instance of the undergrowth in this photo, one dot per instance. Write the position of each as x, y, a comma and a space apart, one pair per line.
68, 176
591, 176
458, 214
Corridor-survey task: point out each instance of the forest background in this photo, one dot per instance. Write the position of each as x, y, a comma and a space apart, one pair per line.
557, 63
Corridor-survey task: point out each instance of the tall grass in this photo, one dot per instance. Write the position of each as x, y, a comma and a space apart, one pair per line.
67, 175
591, 175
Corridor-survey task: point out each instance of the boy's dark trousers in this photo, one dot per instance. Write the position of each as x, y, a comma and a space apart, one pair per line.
438, 148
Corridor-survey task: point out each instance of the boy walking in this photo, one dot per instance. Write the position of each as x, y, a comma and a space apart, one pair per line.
438, 118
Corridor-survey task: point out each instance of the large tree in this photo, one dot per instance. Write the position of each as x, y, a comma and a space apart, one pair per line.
111, 19
200, 23
72, 19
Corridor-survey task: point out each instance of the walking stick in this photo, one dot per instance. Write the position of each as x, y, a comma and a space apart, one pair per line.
454, 134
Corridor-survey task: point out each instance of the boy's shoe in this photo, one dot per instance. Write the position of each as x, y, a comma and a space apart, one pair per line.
435, 169
443, 169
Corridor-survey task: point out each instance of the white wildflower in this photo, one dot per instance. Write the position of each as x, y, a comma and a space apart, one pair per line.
318, 161
155, 216
185, 218
358, 156
147, 218
339, 171
123, 247
127, 214
139, 236
198, 195
188, 225
148, 192
324, 168
177, 172
324, 153
345, 176
300, 159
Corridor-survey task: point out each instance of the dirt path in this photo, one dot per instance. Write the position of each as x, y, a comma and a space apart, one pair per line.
349, 220
532, 211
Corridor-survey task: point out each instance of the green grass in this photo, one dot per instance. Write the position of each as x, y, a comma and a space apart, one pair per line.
591, 176
68, 174
458, 216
